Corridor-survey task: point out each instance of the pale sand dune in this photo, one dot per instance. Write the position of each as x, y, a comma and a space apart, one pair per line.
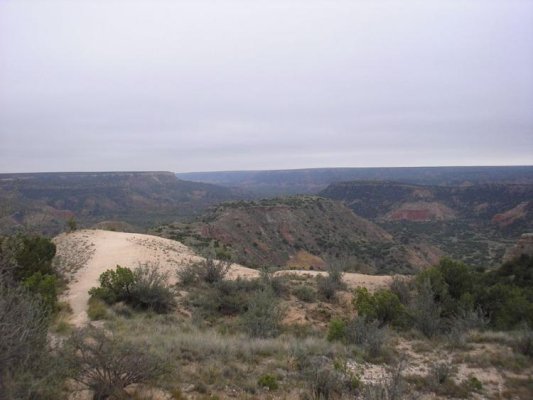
85, 254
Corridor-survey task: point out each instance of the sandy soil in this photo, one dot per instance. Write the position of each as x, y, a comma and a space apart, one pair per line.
353, 280
83, 255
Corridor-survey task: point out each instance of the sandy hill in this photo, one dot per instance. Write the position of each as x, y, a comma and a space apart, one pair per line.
83, 255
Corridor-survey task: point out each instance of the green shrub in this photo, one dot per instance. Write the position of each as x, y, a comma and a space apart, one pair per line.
32, 254
268, 381
336, 330
508, 306
115, 285
305, 293
44, 286
383, 306
145, 288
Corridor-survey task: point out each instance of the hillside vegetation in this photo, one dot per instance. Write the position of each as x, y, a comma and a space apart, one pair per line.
300, 232
450, 332
474, 223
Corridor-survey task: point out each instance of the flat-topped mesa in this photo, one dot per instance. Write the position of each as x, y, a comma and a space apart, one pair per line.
44, 201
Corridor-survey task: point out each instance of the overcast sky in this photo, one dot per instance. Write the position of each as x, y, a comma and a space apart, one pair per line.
228, 85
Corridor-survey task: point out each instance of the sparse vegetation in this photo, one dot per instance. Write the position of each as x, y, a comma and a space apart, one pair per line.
277, 335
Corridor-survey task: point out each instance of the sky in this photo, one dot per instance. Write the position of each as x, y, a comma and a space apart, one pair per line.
245, 85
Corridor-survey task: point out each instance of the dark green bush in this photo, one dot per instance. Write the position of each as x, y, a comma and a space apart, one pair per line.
32, 254
44, 286
115, 285
507, 305
383, 306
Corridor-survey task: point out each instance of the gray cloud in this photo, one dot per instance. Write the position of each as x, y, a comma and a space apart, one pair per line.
207, 85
